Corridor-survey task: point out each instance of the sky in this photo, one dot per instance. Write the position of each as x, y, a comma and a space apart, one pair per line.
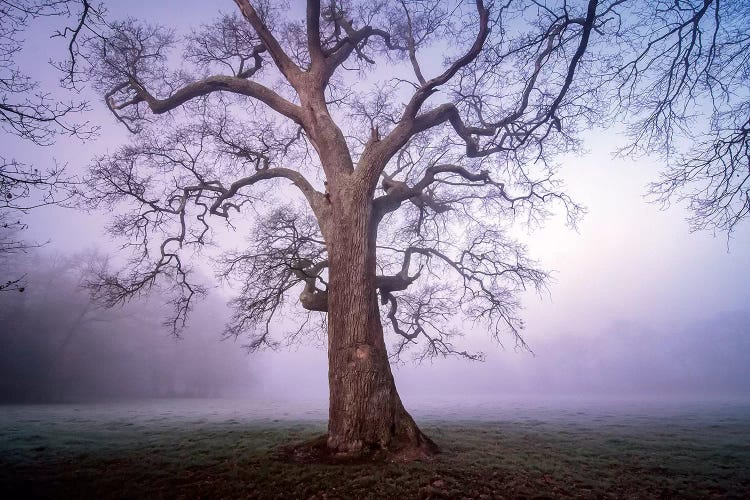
631, 286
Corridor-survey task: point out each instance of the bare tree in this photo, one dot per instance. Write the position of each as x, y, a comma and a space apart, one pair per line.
684, 77
36, 115
380, 183
58, 345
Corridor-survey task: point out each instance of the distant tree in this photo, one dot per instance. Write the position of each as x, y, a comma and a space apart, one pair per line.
34, 114
39, 326
59, 345
405, 173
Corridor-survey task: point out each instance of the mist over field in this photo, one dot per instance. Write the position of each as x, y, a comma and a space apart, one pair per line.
59, 346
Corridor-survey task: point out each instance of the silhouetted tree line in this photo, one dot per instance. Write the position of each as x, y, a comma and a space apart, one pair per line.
58, 345
709, 356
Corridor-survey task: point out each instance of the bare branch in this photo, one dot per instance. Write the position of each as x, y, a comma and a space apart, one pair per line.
682, 85
313, 30
204, 87
287, 67
286, 251
25, 110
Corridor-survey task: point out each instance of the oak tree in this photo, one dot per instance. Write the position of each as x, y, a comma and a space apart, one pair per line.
379, 150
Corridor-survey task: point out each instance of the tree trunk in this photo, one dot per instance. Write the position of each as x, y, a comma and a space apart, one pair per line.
366, 413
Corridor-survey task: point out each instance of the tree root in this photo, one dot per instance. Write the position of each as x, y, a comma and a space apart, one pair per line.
317, 451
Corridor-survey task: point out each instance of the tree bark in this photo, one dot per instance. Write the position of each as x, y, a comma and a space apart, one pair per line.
365, 413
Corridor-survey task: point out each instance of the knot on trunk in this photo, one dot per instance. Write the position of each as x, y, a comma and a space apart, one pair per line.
311, 297
395, 283
314, 300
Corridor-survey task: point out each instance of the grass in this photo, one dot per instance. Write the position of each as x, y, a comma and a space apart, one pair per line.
234, 458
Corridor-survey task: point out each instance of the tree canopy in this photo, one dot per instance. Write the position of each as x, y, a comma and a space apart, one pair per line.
451, 114
449, 158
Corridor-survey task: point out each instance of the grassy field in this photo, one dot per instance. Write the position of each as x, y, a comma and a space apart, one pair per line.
173, 457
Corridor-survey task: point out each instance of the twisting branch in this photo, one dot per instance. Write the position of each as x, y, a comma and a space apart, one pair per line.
441, 159
489, 272
286, 250
130, 66
173, 214
287, 67
502, 135
397, 192
422, 315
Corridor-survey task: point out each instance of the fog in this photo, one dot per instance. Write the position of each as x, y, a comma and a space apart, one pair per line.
59, 346
639, 307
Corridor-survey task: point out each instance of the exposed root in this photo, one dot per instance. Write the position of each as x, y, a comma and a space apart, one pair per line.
317, 451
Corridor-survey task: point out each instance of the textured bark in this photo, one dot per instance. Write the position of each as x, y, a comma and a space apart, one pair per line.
366, 413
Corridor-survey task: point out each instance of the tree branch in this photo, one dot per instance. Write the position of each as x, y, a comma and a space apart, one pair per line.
287, 67
313, 31
203, 87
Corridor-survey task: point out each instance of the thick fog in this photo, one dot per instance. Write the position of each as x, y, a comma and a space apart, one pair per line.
58, 345
639, 306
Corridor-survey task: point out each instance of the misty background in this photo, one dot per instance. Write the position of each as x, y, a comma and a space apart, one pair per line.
639, 307
58, 346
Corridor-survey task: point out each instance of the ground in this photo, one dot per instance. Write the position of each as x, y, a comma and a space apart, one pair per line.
651, 457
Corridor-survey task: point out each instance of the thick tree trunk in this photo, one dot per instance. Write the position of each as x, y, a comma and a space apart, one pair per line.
366, 413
